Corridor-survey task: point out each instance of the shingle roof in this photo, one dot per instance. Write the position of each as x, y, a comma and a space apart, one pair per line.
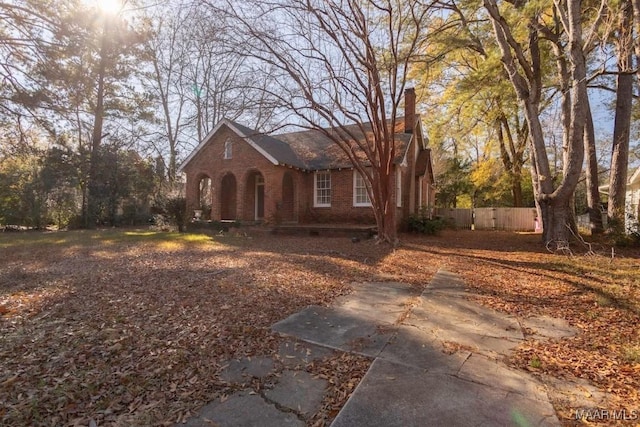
318, 151
422, 162
279, 150
308, 149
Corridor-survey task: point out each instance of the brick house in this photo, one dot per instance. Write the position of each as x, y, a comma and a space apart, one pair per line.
236, 173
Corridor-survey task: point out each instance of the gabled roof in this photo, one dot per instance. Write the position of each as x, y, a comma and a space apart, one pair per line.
631, 182
308, 149
273, 150
423, 163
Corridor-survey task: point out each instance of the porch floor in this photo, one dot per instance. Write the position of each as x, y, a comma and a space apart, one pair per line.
326, 230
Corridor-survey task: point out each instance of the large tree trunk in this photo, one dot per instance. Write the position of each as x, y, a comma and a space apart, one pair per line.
591, 174
579, 100
557, 215
91, 213
387, 230
525, 72
382, 192
516, 189
622, 124
636, 39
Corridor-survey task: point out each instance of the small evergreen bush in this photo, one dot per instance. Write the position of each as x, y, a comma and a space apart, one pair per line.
421, 222
176, 210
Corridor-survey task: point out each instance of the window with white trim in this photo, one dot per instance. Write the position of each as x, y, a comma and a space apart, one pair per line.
398, 187
322, 189
360, 194
228, 149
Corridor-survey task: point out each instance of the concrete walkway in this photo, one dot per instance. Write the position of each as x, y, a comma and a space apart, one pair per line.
436, 362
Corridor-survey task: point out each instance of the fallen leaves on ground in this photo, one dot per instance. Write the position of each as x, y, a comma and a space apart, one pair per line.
133, 328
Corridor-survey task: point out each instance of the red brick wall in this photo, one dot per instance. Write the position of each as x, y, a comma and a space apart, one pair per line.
342, 209
414, 195
245, 162
288, 211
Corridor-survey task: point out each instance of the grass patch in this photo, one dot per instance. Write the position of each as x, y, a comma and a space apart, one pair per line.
8, 240
535, 362
88, 238
165, 240
603, 301
140, 233
631, 353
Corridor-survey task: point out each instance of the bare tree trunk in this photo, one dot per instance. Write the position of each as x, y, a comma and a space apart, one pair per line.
511, 154
556, 217
636, 26
591, 174
90, 214
525, 72
340, 62
579, 100
622, 124
384, 209
171, 133
564, 74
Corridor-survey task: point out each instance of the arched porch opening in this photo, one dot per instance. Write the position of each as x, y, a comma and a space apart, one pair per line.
228, 197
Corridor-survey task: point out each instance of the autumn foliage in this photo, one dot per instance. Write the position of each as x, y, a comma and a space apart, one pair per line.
133, 328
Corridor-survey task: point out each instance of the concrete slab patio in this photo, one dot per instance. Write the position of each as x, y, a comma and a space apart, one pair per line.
436, 361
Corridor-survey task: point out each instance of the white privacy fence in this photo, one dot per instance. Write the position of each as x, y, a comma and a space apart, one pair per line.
509, 219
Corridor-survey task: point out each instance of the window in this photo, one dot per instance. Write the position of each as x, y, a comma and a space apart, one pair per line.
322, 190
228, 148
360, 195
398, 187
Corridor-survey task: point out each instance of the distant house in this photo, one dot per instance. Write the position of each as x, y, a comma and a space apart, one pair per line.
236, 173
632, 201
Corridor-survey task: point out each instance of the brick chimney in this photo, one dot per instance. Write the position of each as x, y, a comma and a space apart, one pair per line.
409, 110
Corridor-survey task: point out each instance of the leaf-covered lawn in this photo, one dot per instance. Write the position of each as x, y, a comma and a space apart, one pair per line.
133, 328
